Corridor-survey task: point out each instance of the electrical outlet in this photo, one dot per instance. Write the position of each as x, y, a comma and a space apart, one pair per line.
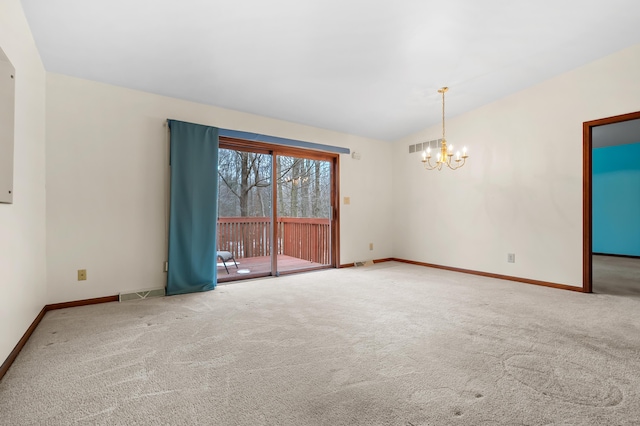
370, 246
511, 257
82, 274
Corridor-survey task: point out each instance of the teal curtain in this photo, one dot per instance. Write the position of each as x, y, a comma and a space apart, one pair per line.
193, 208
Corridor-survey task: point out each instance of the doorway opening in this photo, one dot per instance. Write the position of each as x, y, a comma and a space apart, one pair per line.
277, 210
588, 145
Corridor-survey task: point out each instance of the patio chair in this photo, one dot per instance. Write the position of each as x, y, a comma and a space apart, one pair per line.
226, 256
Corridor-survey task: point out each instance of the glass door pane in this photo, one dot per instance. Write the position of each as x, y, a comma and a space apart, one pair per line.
244, 214
303, 224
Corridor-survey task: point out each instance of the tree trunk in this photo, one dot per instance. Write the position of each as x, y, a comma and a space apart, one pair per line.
304, 189
244, 201
316, 198
295, 183
244, 184
281, 209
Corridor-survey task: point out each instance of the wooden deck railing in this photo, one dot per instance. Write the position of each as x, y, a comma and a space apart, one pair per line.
244, 236
304, 238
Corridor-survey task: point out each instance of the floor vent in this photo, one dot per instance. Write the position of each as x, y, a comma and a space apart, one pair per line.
144, 294
363, 263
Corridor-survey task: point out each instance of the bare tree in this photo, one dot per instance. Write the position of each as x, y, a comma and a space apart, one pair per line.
303, 186
245, 176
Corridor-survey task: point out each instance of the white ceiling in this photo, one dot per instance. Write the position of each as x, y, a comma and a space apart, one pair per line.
369, 68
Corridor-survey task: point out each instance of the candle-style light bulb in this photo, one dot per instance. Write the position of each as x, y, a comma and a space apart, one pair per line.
458, 155
424, 155
429, 151
464, 150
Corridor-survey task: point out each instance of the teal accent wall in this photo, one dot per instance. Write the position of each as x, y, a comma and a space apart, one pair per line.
616, 199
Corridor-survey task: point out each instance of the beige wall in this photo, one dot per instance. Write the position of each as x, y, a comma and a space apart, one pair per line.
521, 191
22, 224
106, 185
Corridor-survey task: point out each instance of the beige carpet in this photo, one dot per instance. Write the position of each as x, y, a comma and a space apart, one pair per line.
391, 344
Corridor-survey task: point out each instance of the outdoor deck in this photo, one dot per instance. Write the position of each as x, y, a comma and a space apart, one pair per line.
261, 266
301, 238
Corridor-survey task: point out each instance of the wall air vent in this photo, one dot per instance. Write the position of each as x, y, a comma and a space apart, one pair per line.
422, 146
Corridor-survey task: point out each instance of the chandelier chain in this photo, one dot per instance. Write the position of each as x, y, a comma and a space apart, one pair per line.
443, 114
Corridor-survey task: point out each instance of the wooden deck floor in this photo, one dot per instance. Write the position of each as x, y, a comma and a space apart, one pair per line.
261, 267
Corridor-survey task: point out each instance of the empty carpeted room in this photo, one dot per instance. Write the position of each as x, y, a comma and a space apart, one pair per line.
338, 280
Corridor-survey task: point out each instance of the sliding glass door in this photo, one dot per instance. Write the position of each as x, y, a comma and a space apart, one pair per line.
276, 210
304, 213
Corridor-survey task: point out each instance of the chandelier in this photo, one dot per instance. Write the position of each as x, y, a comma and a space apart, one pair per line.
445, 156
